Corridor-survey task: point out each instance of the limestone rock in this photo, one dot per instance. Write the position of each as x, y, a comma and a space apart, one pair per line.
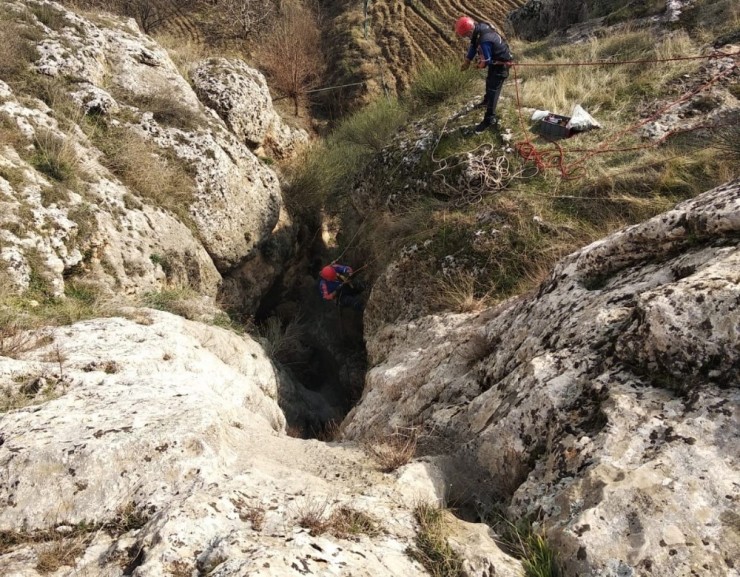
126, 81
240, 96
90, 222
606, 403
165, 438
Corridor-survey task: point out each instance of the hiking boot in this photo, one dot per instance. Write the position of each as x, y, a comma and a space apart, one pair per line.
488, 121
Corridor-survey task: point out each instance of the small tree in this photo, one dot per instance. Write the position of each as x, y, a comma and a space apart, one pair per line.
148, 15
241, 17
291, 53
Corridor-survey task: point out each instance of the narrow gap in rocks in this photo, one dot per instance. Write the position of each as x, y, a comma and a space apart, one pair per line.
317, 347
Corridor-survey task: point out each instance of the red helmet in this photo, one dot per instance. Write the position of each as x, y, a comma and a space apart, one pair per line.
328, 273
464, 25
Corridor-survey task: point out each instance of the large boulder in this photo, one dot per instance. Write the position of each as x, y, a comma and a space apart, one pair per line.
606, 405
240, 96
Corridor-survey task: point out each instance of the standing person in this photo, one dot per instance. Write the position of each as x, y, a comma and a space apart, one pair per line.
494, 53
336, 284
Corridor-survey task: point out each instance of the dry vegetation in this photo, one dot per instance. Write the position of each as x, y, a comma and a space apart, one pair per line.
392, 451
318, 516
62, 544
471, 250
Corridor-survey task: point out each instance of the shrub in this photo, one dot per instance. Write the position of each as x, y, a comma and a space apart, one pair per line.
393, 451
435, 84
291, 53
372, 127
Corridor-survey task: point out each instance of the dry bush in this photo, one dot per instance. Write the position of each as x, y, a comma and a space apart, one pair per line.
346, 523
291, 54
393, 451
460, 291
241, 18
255, 515
312, 515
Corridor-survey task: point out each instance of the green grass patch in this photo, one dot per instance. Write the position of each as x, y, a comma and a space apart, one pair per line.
528, 545
178, 301
433, 85
432, 549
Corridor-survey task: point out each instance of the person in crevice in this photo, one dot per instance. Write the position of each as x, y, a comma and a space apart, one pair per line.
336, 284
494, 54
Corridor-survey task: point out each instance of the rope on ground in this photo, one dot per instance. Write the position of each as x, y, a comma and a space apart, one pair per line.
556, 158
483, 171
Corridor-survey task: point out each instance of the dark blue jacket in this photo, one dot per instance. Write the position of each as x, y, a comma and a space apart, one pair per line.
492, 47
328, 288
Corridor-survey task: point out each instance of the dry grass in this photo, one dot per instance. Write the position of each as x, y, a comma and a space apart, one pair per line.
16, 334
280, 339
59, 553
347, 523
32, 390
312, 514
460, 292
184, 52
146, 169
55, 155
432, 549
605, 91
16, 53
62, 544
343, 522
393, 451
182, 301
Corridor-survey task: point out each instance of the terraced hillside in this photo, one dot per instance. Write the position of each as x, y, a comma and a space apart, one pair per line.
412, 33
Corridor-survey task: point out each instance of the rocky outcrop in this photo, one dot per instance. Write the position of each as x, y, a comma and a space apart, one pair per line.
240, 96
90, 223
103, 83
155, 446
605, 405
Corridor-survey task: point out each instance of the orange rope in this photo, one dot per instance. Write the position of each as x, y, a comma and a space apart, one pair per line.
556, 158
